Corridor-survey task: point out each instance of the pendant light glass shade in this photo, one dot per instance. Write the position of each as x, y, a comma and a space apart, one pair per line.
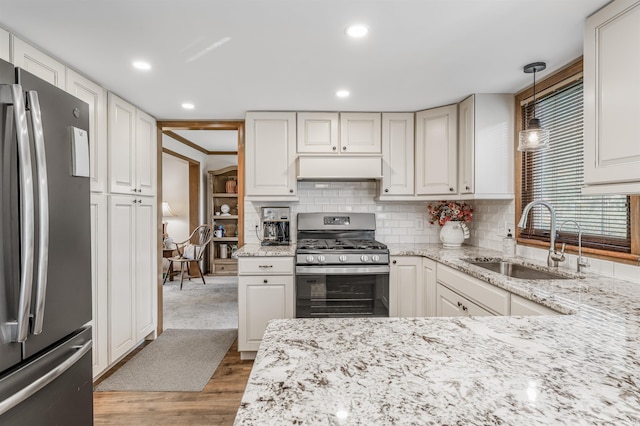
534, 137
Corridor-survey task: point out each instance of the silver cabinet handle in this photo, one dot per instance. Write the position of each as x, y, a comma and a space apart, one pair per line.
265, 266
43, 211
12, 94
31, 389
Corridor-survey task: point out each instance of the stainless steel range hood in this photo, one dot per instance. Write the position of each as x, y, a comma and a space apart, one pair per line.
332, 167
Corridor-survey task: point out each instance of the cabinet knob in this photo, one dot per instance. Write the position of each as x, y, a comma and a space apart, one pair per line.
266, 281
334, 148
467, 188
291, 191
395, 261
344, 148
451, 189
133, 190
386, 190
464, 308
459, 304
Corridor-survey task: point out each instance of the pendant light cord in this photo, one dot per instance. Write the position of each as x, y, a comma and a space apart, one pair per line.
534, 93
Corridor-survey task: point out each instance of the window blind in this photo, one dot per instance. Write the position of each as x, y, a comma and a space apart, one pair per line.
556, 175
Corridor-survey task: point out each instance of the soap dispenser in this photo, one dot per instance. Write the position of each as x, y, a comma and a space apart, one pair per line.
509, 245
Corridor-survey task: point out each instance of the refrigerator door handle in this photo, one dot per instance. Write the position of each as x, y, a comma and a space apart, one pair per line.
43, 210
44, 380
12, 94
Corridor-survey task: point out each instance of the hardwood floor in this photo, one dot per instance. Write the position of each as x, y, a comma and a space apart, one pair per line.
215, 405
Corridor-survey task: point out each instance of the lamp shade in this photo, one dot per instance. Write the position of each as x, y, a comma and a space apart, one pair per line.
534, 138
166, 210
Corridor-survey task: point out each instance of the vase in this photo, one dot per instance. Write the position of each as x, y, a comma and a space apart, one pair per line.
453, 233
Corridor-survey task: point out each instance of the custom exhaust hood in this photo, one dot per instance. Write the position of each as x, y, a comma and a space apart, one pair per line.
331, 167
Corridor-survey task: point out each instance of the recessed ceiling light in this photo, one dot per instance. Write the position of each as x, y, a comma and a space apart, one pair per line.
187, 105
357, 31
342, 93
142, 65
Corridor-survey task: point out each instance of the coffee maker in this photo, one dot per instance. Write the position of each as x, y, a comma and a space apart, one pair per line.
275, 226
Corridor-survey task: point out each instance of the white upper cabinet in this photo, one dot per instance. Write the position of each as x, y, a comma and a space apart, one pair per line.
37, 63
96, 97
132, 149
485, 144
270, 156
611, 93
339, 133
397, 154
318, 132
360, 133
5, 45
436, 151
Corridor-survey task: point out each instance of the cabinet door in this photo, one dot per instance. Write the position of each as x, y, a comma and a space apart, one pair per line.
122, 134
448, 303
522, 306
4, 45
466, 138
99, 289
405, 290
360, 133
122, 239
611, 91
270, 155
436, 151
428, 288
145, 154
145, 266
96, 97
317, 132
261, 299
37, 63
397, 154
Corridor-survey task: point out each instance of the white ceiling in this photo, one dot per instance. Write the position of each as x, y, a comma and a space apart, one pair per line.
293, 54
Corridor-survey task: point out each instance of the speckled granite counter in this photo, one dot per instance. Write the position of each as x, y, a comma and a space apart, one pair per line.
582, 368
255, 250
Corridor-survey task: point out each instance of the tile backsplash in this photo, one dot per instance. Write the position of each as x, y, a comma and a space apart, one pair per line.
408, 223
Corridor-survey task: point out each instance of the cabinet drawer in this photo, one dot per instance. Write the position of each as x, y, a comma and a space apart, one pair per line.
485, 294
265, 265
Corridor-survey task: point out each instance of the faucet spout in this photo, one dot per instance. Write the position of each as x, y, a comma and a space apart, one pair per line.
553, 258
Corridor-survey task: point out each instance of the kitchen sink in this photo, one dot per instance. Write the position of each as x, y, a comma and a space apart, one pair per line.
516, 270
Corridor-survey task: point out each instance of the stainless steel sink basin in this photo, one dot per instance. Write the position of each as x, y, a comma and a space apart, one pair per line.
516, 270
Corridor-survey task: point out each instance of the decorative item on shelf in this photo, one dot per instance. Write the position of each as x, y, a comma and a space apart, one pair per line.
219, 231
534, 137
223, 251
231, 186
225, 209
452, 216
167, 241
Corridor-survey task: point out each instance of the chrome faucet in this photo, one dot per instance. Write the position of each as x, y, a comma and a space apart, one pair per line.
582, 262
554, 257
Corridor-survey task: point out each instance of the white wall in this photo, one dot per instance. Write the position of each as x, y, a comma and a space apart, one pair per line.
175, 191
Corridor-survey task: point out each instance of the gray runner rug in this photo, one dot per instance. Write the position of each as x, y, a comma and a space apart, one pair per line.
177, 361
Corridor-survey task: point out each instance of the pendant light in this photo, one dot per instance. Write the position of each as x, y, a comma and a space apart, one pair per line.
534, 138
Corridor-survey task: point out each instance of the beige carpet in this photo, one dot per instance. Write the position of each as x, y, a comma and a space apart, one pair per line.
177, 361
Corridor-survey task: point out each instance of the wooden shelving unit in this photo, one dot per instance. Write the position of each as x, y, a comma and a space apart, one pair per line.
219, 196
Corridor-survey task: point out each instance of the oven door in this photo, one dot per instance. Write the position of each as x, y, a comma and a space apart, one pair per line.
344, 291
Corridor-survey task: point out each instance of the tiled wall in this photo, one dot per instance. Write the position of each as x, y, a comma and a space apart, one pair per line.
408, 222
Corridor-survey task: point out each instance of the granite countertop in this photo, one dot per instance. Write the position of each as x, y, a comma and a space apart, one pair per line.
256, 250
580, 368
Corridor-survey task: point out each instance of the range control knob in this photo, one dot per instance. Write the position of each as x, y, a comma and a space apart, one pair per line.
342, 258
375, 258
364, 258
321, 259
309, 259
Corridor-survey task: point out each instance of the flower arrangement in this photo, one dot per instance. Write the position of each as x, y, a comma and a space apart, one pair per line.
445, 211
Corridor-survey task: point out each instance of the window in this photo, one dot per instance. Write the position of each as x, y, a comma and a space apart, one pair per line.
556, 175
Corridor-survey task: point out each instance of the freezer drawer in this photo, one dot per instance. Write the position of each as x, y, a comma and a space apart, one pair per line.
64, 400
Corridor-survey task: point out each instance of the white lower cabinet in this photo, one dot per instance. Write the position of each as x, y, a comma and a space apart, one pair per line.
265, 292
451, 304
405, 287
132, 272
99, 289
428, 287
524, 307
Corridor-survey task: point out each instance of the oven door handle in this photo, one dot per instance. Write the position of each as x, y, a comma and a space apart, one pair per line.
342, 270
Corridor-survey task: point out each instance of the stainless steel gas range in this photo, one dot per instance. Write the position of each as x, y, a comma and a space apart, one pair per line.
341, 270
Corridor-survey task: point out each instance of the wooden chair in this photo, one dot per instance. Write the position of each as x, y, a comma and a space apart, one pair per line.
191, 250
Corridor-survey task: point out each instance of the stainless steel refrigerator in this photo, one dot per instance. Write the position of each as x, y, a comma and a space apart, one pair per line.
45, 259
